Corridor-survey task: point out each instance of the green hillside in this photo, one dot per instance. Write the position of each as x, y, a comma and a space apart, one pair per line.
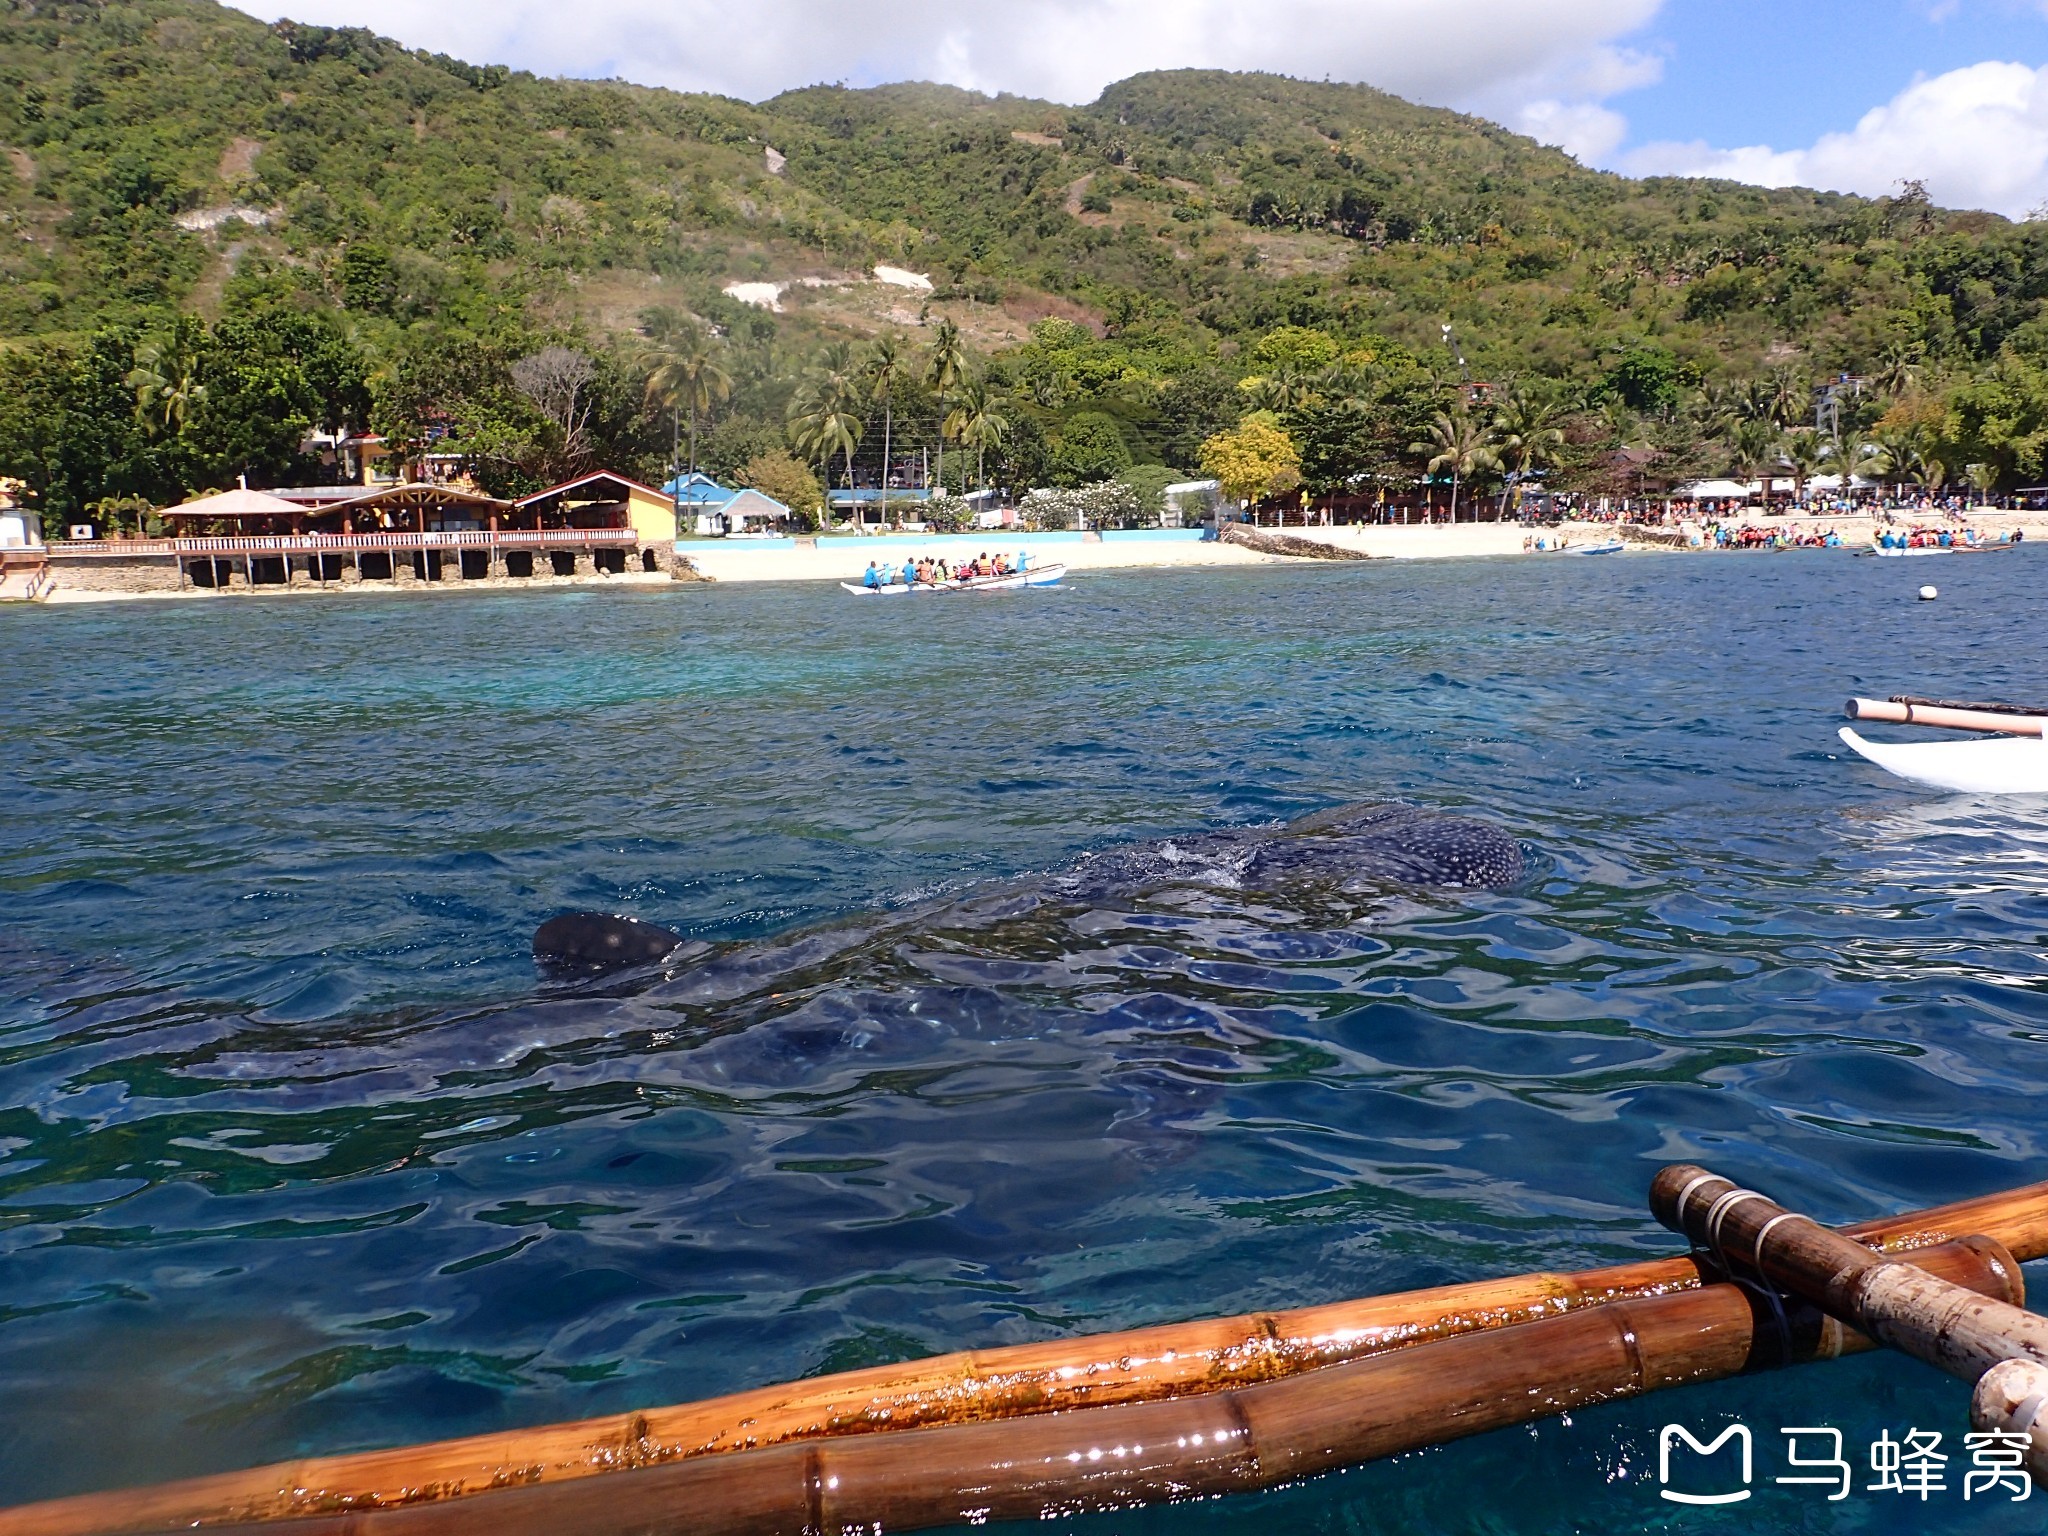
222, 233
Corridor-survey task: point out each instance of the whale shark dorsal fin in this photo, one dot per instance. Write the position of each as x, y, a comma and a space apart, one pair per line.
598, 941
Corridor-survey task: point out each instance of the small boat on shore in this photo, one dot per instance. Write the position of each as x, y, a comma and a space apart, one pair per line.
1037, 576
1606, 547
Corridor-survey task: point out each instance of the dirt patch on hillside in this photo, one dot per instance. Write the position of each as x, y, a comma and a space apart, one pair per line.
1294, 255
1025, 136
24, 165
238, 160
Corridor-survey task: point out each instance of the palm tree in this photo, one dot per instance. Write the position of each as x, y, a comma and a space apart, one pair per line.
1754, 451
1850, 456
1898, 367
165, 380
824, 419
945, 365
882, 372
1788, 396
1804, 454
1910, 455
979, 419
1982, 477
687, 376
1530, 436
1460, 444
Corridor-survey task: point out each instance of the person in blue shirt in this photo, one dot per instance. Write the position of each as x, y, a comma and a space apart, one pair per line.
873, 579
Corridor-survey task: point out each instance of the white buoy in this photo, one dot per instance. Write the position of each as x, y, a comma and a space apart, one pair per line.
1928, 594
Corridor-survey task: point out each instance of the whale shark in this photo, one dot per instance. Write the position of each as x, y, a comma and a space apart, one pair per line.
1367, 846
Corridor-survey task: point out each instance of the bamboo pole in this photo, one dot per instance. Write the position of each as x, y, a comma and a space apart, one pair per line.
1236, 1440
1143, 1365
1948, 717
1959, 1331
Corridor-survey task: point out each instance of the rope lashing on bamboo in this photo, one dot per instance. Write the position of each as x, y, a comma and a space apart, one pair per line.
1142, 1365
1993, 1343
1237, 1440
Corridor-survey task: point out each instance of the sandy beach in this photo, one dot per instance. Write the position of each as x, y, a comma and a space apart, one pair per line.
846, 558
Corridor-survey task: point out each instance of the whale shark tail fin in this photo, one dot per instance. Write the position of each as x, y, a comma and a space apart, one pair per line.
595, 941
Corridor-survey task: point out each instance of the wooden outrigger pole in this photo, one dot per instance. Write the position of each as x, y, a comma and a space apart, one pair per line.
1987, 1341
1168, 1413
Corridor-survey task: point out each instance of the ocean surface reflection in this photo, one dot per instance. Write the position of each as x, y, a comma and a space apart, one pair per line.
298, 1154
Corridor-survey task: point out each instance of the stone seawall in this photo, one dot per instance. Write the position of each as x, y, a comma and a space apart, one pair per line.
114, 573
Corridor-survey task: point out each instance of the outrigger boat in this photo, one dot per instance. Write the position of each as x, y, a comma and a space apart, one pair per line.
1036, 576
2012, 759
1194, 1410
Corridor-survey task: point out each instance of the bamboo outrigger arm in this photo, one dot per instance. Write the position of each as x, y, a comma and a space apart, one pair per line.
1237, 1440
1149, 1365
1990, 1341
1953, 717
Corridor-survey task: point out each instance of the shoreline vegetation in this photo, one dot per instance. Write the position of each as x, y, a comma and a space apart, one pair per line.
250, 252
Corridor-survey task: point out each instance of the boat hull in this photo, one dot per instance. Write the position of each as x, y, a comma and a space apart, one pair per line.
1043, 576
2014, 765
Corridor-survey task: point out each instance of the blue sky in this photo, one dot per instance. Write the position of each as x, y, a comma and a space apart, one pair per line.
1744, 71
1831, 93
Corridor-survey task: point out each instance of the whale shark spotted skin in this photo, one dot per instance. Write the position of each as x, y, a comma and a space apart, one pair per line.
1366, 846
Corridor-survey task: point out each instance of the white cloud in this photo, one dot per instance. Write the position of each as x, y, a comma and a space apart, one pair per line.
1459, 52
1977, 136
1584, 129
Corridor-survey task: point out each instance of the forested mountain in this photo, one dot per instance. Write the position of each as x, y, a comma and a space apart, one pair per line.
222, 233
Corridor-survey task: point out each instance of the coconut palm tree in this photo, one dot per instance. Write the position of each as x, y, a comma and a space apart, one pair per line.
945, 366
882, 371
824, 419
1804, 454
1983, 479
1531, 435
1461, 444
1754, 450
979, 420
1849, 456
686, 375
1789, 396
1909, 456
1898, 367
165, 381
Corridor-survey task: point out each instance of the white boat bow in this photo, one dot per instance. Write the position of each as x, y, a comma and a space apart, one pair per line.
1999, 765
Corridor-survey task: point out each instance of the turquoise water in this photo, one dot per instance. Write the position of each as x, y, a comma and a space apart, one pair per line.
298, 1155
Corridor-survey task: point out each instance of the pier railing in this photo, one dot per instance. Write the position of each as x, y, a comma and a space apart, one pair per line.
332, 543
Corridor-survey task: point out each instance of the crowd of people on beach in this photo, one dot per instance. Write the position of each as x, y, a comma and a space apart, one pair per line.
1751, 536
1942, 538
1755, 536
927, 571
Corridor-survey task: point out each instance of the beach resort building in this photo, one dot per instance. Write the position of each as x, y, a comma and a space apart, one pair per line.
24, 563
601, 524
707, 509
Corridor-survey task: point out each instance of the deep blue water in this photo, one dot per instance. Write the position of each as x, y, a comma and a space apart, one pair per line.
298, 1155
